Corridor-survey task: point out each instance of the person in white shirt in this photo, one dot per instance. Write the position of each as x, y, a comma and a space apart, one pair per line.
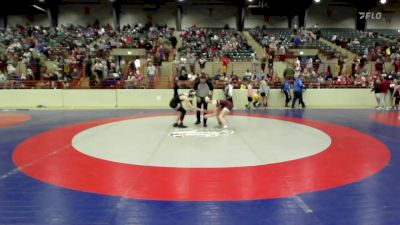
3, 79
264, 91
130, 81
248, 73
137, 63
229, 91
310, 64
11, 69
98, 69
151, 73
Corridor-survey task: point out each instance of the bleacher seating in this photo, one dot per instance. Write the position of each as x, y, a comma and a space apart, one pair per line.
286, 37
213, 43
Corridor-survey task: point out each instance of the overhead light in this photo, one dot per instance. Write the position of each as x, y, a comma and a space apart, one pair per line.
383, 2
317, 1
250, 0
41, 1
39, 8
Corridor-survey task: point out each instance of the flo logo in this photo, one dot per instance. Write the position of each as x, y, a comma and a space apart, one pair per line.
370, 15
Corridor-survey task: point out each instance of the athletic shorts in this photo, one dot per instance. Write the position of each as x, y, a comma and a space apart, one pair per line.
262, 94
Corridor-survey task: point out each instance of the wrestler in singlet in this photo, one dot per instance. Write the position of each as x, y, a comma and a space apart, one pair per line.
224, 104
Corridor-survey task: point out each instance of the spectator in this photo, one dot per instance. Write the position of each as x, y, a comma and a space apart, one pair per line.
340, 64
264, 91
235, 80
310, 64
282, 52
263, 64
192, 63
137, 63
174, 41
248, 75
250, 94
298, 92
379, 65
225, 63
377, 90
138, 78
183, 75
385, 85
355, 66
98, 69
286, 90
3, 80
270, 64
202, 64
151, 73
147, 48
396, 95
130, 81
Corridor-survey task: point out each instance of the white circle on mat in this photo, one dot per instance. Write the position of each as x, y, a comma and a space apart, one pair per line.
147, 142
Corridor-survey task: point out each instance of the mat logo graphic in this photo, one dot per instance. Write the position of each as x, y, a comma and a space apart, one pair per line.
370, 15
200, 133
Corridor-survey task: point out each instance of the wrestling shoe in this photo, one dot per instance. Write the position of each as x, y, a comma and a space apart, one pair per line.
182, 126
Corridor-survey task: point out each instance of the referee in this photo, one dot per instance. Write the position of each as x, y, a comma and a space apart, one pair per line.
204, 88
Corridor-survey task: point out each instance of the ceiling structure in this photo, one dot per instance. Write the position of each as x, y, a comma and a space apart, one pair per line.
266, 7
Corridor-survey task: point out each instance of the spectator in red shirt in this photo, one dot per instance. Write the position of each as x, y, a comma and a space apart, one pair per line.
379, 65
225, 62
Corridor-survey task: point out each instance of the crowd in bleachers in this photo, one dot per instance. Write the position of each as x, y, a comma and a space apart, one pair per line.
279, 41
40, 57
213, 43
25, 52
373, 44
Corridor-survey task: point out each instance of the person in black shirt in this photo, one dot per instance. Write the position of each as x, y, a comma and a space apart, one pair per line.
147, 48
177, 104
174, 41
